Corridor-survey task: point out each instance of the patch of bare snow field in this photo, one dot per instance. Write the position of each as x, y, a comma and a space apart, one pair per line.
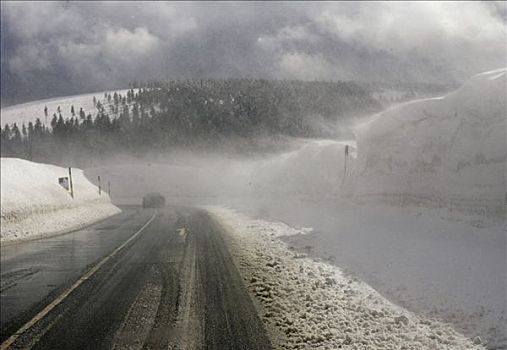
307, 303
30, 111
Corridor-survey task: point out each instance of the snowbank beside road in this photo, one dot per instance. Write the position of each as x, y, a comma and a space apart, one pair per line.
34, 204
449, 151
445, 152
312, 304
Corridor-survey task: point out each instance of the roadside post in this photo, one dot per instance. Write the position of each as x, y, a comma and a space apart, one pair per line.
70, 182
100, 187
109, 188
345, 160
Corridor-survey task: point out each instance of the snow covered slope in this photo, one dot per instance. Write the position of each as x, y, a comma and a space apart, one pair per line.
446, 152
30, 111
34, 204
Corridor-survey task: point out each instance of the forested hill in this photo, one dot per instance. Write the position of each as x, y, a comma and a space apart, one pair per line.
188, 114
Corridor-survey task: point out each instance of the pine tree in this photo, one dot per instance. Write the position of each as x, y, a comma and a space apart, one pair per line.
6, 133
5, 138
16, 135
38, 128
54, 121
31, 130
135, 114
69, 126
59, 130
29, 140
88, 122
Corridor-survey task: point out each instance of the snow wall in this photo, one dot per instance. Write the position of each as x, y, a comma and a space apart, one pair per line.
448, 151
34, 204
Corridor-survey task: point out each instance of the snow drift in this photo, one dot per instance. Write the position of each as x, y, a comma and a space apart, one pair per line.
439, 152
34, 204
309, 304
315, 170
445, 152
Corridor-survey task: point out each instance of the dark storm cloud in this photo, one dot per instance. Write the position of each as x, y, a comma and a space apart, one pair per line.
54, 48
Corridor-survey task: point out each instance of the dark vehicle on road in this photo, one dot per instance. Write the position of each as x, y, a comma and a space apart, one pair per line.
153, 200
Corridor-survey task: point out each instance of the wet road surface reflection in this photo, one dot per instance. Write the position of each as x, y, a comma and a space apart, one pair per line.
32, 270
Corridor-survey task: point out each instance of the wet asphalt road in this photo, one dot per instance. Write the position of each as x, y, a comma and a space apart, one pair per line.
173, 286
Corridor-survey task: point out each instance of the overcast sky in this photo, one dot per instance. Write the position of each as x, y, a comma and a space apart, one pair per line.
59, 48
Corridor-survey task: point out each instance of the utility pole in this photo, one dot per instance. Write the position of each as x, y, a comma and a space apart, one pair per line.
100, 188
70, 183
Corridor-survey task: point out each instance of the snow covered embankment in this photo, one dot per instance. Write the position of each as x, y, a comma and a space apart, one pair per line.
308, 304
449, 151
35, 205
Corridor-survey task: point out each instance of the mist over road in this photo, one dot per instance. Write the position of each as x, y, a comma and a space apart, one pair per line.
168, 283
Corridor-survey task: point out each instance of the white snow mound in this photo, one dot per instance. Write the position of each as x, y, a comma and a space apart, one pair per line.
309, 304
449, 151
34, 204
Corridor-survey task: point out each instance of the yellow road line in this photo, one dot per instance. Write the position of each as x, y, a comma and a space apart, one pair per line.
62, 296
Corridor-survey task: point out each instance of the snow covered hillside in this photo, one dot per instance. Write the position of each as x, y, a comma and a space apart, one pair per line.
35, 204
447, 152
30, 111
309, 304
